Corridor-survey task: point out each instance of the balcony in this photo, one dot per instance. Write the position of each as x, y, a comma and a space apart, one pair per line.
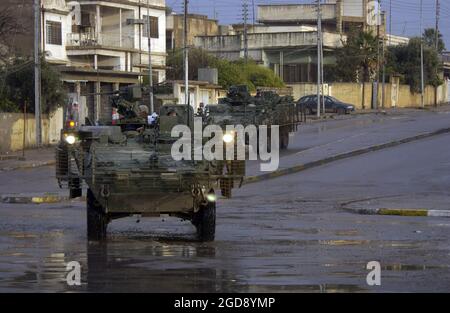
102, 40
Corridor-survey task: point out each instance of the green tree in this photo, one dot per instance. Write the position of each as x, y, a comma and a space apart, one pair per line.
405, 60
429, 38
357, 60
230, 73
17, 87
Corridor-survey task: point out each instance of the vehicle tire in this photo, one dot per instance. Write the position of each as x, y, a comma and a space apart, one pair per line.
97, 220
341, 111
75, 188
308, 111
62, 161
205, 222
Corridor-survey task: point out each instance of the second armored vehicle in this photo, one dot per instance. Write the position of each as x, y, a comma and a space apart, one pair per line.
266, 108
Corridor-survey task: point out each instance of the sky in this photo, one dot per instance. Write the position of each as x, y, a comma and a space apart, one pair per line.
405, 13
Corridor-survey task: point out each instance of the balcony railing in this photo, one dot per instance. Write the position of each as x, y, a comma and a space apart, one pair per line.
97, 40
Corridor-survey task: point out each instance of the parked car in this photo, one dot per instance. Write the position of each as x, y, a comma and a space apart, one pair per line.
332, 105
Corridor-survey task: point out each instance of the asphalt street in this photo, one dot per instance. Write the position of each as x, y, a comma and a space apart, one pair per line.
288, 234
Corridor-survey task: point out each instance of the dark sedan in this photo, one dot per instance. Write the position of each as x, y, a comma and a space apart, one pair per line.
332, 105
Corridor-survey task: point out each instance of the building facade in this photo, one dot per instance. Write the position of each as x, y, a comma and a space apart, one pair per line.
340, 16
285, 40
290, 51
198, 25
99, 46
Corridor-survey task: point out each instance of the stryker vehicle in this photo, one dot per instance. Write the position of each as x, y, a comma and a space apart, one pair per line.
266, 108
129, 170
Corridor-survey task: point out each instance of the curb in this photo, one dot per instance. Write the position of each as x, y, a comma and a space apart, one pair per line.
401, 212
28, 166
44, 199
306, 166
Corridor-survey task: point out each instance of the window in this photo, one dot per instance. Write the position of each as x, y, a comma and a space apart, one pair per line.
154, 26
54, 33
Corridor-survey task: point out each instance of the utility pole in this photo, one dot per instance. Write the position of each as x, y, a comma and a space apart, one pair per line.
37, 70
322, 76
245, 15
186, 55
378, 55
383, 58
438, 13
390, 21
319, 71
421, 56
150, 66
254, 16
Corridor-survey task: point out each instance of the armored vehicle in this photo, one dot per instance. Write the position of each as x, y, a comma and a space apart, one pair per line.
129, 169
266, 108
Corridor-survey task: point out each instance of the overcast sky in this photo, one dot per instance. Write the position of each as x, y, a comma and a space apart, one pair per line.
405, 13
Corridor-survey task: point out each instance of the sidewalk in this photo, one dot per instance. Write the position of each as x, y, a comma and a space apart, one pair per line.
327, 139
33, 158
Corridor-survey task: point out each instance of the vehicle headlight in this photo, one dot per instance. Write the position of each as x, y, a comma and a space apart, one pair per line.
211, 197
70, 139
228, 137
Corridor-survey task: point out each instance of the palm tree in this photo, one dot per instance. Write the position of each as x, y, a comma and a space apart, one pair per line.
367, 44
358, 59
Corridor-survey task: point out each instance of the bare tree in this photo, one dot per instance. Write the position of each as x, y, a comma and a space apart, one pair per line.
10, 27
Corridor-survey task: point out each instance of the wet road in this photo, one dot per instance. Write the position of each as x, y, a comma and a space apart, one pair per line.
284, 235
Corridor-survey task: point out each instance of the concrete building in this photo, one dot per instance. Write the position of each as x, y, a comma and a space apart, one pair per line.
446, 62
290, 51
285, 39
339, 16
98, 45
198, 25
393, 40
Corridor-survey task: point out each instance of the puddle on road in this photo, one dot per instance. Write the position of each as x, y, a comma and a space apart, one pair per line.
325, 288
412, 267
343, 242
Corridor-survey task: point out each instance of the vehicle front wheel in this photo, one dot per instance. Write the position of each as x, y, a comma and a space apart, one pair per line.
97, 220
205, 222
308, 111
341, 111
75, 188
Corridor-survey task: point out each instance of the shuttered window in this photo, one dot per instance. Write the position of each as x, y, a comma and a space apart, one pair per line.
54, 33
154, 27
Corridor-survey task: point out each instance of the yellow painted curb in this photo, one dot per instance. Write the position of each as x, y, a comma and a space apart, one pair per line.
43, 200
404, 212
